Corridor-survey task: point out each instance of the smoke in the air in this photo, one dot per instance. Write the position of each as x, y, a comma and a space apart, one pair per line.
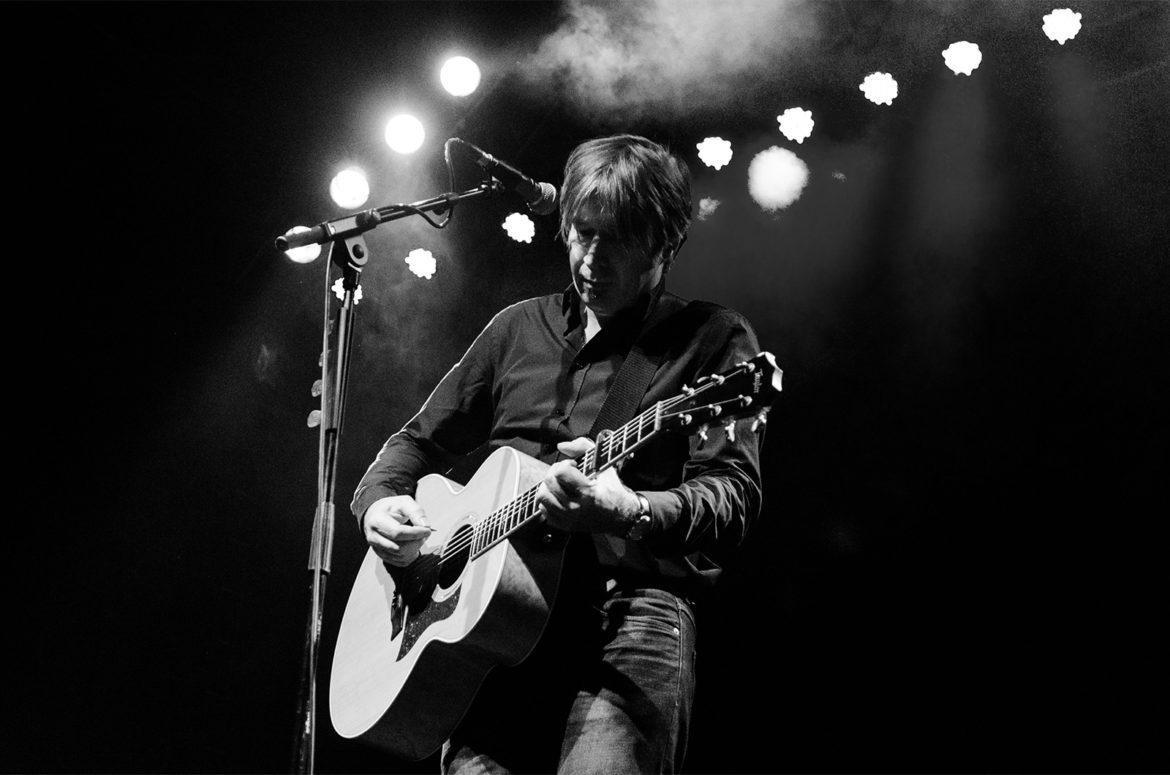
667, 57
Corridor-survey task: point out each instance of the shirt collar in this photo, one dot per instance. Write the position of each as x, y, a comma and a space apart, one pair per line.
571, 308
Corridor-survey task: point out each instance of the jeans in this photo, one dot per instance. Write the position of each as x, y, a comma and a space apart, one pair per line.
609, 689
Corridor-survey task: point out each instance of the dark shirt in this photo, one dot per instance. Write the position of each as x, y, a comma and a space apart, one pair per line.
530, 380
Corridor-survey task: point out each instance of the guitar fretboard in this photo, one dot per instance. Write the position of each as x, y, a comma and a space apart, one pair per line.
611, 448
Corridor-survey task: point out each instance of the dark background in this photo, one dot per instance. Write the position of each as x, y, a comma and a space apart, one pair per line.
960, 562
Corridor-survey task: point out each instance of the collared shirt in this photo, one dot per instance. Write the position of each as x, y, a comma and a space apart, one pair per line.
531, 380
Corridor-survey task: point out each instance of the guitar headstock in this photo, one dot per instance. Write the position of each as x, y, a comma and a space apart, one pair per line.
747, 390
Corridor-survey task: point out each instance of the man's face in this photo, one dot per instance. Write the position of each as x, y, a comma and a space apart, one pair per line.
609, 273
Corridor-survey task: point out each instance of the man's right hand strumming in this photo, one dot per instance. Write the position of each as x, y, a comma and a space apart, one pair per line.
395, 528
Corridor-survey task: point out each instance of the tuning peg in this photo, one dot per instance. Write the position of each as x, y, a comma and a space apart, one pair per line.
729, 429
761, 419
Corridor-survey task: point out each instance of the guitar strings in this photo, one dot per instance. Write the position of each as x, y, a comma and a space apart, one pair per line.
503, 519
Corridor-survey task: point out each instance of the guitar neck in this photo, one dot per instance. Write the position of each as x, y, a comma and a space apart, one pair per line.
612, 447
747, 389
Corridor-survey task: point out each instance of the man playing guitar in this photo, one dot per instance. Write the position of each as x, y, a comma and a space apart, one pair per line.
608, 687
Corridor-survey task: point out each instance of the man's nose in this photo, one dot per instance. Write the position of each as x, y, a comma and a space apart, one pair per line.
597, 251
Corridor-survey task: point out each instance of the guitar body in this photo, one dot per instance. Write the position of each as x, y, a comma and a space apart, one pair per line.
415, 644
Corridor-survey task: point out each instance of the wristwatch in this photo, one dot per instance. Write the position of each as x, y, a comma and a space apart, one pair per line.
642, 522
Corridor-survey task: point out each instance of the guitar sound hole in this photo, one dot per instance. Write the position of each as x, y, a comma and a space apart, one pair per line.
455, 556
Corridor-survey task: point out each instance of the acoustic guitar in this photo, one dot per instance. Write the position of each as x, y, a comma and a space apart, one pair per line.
416, 643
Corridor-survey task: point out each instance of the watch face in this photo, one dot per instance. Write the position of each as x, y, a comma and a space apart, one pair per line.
639, 528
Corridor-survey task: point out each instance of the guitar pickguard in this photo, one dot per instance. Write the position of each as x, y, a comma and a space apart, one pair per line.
414, 607
417, 623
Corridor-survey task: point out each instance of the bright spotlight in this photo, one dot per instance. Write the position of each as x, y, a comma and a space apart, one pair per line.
349, 188
460, 76
405, 133
714, 152
339, 291
305, 254
421, 262
519, 227
880, 88
776, 178
962, 57
796, 124
1062, 25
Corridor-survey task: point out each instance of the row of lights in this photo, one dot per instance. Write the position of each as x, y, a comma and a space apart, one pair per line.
776, 176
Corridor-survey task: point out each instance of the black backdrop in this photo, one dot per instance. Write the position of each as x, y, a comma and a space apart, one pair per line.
959, 566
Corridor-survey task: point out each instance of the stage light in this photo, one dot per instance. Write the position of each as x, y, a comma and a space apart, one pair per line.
349, 188
1062, 25
519, 227
338, 289
796, 124
707, 207
421, 262
459, 76
714, 152
880, 88
776, 178
405, 133
306, 254
962, 57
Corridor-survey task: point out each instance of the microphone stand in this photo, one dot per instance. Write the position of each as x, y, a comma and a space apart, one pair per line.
349, 253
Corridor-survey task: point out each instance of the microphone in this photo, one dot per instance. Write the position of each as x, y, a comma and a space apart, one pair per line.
541, 197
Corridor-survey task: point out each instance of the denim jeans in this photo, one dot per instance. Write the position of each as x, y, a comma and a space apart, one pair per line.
608, 690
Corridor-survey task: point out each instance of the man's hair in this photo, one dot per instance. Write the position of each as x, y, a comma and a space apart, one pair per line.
641, 191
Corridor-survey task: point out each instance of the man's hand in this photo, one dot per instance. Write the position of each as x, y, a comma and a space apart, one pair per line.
387, 532
568, 500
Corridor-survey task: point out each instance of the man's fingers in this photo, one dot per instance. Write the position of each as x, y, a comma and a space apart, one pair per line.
412, 513
398, 532
566, 481
546, 498
575, 448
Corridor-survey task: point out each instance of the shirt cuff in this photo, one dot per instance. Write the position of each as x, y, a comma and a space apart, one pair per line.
366, 496
665, 508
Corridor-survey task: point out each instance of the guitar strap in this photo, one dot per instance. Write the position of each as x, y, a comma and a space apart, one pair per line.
630, 385
633, 378
621, 402
634, 375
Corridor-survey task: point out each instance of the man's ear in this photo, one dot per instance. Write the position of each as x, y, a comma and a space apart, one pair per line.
666, 257
670, 253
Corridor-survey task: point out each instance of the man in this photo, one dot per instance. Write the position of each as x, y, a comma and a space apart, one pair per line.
610, 685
